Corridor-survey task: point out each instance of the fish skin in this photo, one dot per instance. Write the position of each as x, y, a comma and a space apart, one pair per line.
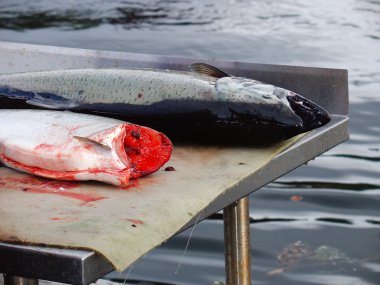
127, 86
155, 93
45, 143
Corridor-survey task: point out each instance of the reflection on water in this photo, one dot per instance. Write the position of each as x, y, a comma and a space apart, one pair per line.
45, 19
352, 156
22, 15
335, 220
333, 202
324, 185
374, 222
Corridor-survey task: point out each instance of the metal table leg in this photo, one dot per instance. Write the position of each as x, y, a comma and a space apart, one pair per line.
237, 243
17, 280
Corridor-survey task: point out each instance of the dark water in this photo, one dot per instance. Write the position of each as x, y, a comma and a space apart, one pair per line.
333, 203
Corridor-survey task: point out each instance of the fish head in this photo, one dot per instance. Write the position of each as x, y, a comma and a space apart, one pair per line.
140, 149
272, 104
313, 116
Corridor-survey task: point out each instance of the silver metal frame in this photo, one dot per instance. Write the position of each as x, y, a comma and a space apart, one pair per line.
327, 87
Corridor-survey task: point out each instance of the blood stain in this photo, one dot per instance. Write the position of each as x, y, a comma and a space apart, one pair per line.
44, 183
45, 146
133, 183
65, 219
135, 221
79, 196
169, 168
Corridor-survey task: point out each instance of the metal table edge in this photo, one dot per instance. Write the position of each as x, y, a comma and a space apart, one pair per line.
71, 266
138, 57
309, 147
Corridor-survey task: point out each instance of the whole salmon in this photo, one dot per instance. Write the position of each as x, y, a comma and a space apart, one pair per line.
71, 146
195, 104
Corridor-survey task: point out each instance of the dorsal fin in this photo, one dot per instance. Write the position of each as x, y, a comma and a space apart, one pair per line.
207, 69
87, 140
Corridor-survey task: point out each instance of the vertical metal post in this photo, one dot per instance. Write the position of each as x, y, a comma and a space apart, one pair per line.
237, 243
10, 279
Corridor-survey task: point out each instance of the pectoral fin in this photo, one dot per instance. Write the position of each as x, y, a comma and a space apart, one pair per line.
91, 141
52, 103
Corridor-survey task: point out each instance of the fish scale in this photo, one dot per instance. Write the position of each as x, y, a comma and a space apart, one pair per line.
112, 85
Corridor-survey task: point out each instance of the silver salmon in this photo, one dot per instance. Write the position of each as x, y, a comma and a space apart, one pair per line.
70, 146
197, 103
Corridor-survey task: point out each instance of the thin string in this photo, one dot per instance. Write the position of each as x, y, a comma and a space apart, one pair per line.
187, 244
126, 276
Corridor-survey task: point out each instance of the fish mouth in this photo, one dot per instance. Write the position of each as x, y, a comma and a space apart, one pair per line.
312, 115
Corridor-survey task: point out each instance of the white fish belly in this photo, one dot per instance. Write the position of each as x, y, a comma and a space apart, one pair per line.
43, 143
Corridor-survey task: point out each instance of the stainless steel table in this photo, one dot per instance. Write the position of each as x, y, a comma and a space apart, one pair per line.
328, 87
